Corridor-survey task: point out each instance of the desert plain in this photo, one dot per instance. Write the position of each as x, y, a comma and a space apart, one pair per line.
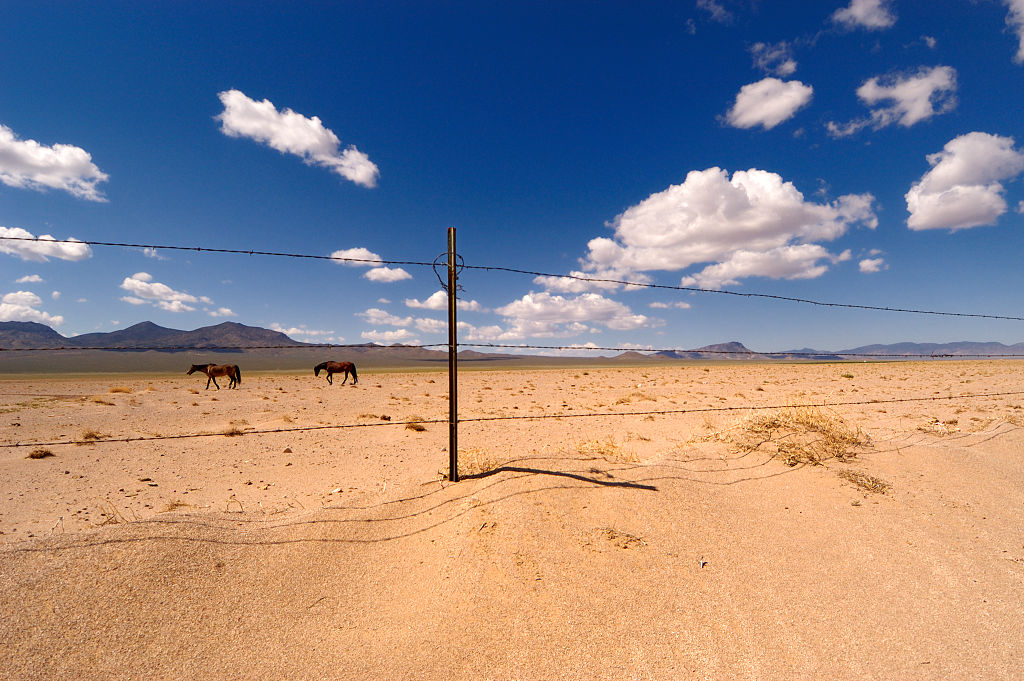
711, 521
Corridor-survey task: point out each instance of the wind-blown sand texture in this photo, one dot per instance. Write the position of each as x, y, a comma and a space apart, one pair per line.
678, 546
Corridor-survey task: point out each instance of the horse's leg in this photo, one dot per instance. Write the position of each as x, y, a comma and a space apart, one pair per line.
208, 379
214, 379
346, 377
329, 379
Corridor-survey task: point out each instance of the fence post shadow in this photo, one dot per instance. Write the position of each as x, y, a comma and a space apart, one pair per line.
558, 474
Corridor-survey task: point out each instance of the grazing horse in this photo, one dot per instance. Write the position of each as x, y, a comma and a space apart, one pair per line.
213, 370
337, 368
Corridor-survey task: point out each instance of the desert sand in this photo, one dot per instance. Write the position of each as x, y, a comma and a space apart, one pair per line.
721, 541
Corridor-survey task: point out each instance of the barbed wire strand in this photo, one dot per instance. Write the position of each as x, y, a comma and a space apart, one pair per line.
203, 249
514, 270
693, 289
768, 354
481, 419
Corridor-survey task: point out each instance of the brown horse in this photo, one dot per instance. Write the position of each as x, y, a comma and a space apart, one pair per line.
337, 368
213, 370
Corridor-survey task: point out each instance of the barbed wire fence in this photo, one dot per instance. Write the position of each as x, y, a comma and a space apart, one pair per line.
453, 264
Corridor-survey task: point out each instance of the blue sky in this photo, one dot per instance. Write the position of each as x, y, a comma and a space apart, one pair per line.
866, 152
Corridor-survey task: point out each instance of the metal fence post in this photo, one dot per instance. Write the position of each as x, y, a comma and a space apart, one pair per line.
453, 365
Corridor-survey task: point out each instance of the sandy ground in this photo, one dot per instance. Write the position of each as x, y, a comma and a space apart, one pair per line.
669, 546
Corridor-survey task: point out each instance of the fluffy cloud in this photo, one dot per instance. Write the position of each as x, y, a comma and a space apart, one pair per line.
1015, 20
397, 336
387, 274
376, 317
803, 261
301, 330
872, 265
748, 224
221, 312
715, 10
870, 14
963, 189
293, 133
42, 249
30, 165
776, 59
356, 257
439, 301
669, 306
146, 291
544, 314
21, 306
915, 97
29, 279
768, 102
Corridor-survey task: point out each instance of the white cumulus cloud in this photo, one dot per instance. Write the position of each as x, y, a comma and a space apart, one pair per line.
377, 317
768, 102
43, 248
914, 97
544, 314
146, 291
746, 224
387, 275
872, 265
1015, 20
439, 301
29, 279
870, 14
964, 187
292, 133
356, 257
22, 306
396, 336
803, 261
27, 164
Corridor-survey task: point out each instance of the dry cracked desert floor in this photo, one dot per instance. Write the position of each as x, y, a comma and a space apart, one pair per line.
737, 534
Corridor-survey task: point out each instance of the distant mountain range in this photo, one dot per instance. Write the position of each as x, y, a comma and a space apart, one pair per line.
22, 335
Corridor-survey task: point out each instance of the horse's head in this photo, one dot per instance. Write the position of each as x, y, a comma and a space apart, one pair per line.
195, 368
318, 367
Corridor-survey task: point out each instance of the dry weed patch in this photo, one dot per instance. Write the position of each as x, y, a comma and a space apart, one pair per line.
868, 483
475, 461
39, 454
120, 389
608, 450
801, 435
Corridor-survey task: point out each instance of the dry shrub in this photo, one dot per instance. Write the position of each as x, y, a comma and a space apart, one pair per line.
608, 450
91, 435
474, 461
174, 506
868, 483
39, 454
233, 431
120, 389
801, 435
100, 400
414, 424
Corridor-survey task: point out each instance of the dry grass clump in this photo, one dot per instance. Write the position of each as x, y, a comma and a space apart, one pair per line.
120, 389
414, 424
39, 454
91, 436
475, 461
801, 435
100, 400
868, 483
608, 450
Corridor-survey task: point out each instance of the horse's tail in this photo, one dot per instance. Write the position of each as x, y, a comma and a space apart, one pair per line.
354, 377
238, 374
